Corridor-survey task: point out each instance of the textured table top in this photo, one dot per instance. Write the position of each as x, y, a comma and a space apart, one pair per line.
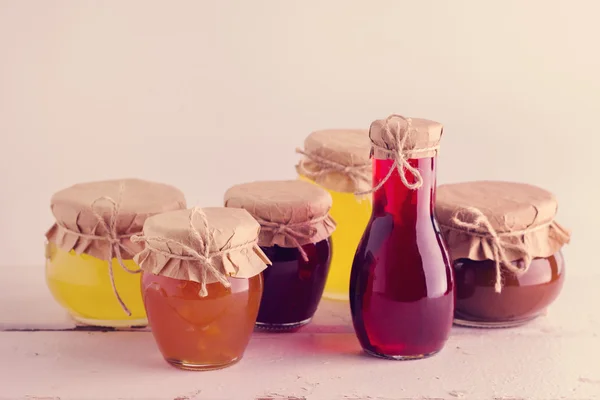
44, 356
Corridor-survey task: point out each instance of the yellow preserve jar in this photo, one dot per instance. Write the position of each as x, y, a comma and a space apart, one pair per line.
339, 161
89, 255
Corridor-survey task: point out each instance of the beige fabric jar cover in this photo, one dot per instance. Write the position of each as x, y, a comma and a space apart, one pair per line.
499, 221
202, 245
337, 159
400, 139
291, 213
99, 218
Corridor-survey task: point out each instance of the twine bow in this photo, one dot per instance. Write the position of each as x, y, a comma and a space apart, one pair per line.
204, 255
294, 232
356, 173
112, 237
481, 223
400, 154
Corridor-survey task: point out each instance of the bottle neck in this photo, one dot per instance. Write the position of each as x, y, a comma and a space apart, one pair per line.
395, 198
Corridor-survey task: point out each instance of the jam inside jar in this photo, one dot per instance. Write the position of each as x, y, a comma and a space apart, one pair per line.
401, 286
351, 216
82, 285
201, 333
293, 287
522, 298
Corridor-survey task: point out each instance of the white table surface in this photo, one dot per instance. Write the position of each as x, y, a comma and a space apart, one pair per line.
43, 356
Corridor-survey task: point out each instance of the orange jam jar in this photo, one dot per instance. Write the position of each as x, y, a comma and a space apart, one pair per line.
89, 255
201, 284
506, 251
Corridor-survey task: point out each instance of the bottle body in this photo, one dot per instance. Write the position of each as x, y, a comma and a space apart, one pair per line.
401, 288
351, 216
293, 286
81, 284
522, 298
201, 333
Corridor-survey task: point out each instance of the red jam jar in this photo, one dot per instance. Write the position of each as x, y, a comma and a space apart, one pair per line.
401, 285
506, 251
201, 284
293, 286
295, 236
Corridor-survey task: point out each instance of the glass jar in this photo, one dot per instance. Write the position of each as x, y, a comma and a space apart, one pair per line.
295, 231
202, 284
89, 255
401, 286
523, 297
293, 286
338, 160
351, 215
81, 284
201, 333
506, 250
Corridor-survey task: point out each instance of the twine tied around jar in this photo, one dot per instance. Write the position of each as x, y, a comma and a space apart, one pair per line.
204, 255
356, 173
111, 236
481, 226
301, 230
399, 135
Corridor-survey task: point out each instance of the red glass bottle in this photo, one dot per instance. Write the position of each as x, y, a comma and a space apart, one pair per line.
401, 287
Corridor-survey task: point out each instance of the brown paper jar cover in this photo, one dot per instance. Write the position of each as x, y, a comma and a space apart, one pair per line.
291, 212
175, 239
420, 138
401, 139
130, 201
338, 159
521, 214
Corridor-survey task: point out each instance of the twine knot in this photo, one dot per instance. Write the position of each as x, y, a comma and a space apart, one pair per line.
356, 173
294, 232
481, 226
401, 156
203, 256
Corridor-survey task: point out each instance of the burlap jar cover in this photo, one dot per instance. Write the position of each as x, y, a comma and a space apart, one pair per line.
202, 245
291, 213
499, 221
337, 159
400, 139
99, 218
